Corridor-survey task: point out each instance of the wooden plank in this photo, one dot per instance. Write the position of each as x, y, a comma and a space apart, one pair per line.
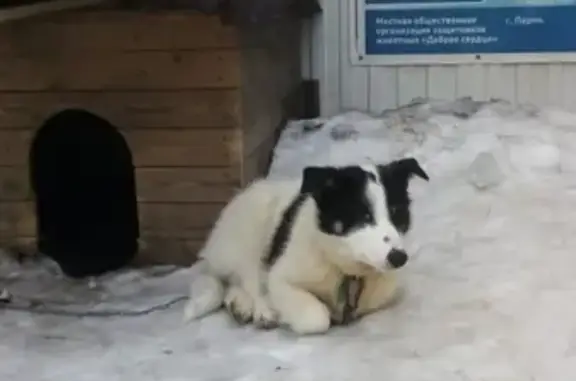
383, 88
185, 184
19, 245
190, 108
188, 235
153, 184
14, 184
165, 221
555, 82
354, 79
153, 249
42, 7
532, 84
143, 70
176, 219
357, 80
472, 81
501, 82
157, 250
332, 41
568, 89
18, 228
14, 147
412, 83
184, 148
255, 164
17, 218
270, 74
150, 148
442, 82
113, 30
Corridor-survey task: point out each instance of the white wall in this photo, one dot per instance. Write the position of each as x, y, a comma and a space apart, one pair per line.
344, 87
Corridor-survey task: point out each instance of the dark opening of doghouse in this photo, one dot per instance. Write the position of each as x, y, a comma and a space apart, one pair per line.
82, 174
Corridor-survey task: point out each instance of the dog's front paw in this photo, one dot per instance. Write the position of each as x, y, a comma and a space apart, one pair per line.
239, 305
313, 318
264, 316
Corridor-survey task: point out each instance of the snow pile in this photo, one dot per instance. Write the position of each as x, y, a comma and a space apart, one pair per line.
446, 137
37, 284
491, 287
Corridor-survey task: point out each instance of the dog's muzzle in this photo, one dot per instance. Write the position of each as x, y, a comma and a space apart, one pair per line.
397, 258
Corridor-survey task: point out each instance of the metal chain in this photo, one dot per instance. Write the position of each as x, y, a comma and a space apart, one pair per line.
37, 307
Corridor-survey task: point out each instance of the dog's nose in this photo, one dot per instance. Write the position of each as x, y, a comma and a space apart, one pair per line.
397, 258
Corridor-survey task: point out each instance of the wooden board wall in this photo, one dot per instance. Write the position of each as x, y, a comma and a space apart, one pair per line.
271, 73
169, 82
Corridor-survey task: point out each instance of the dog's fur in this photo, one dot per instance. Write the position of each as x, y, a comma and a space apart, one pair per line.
280, 249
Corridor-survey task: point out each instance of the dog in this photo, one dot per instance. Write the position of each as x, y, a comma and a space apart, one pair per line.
280, 249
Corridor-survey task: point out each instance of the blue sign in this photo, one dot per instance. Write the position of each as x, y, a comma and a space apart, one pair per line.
412, 27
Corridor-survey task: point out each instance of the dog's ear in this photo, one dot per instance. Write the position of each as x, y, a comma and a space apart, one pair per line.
402, 170
395, 177
317, 178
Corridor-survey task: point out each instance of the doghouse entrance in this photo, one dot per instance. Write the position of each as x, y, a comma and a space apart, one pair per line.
82, 174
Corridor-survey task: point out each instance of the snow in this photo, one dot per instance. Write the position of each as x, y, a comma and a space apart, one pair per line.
490, 288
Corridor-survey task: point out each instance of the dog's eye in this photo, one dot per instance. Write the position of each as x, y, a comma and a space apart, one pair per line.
368, 217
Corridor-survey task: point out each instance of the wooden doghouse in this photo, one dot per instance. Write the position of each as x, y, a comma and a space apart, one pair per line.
198, 101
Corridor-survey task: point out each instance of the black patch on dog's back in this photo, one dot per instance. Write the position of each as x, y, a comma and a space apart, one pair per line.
283, 230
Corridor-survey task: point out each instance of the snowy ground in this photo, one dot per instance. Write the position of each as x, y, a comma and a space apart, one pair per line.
491, 287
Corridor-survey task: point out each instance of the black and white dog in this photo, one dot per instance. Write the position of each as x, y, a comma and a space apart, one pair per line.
281, 248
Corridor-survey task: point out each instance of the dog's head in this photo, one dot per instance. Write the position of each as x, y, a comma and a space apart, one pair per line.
354, 215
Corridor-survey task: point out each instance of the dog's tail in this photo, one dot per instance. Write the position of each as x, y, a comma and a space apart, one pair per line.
206, 293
